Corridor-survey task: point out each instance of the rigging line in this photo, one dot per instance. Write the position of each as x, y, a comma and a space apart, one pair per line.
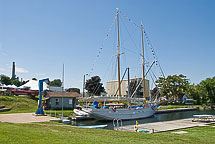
131, 51
130, 20
142, 79
100, 50
97, 87
152, 79
129, 34
152, 72
153, 51
94, 90
121, 80
149, 43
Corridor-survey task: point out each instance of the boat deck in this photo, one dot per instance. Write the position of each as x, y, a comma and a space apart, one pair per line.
164, 126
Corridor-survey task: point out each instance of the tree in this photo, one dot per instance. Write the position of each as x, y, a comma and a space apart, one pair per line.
73, 90
194, 93
24, 82
56, 82
133, 85
93, 86
5, 80
207, 90
16, 82
174, 86
34, 79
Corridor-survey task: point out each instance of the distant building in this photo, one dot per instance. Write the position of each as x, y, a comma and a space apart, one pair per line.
55, 89
112, 88
55, 100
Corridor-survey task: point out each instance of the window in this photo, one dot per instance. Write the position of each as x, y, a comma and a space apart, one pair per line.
70, 101
57, 101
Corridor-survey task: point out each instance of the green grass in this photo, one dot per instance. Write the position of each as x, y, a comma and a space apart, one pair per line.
50, 133
66, 113
18, 104
178, 106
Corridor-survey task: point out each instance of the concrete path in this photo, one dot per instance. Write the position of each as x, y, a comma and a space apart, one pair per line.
164, 126
24, 118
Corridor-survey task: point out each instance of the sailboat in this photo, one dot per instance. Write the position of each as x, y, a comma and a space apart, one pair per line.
138, 112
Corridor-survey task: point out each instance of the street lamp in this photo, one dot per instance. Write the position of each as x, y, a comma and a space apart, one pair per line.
84, 84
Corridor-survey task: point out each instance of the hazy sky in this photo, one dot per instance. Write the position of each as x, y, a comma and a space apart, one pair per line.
41, 35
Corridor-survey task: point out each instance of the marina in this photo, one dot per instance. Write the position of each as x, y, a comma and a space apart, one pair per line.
107, 72
157, 118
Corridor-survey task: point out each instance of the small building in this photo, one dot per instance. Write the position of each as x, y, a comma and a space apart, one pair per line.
55, 89
112, 88
55, 100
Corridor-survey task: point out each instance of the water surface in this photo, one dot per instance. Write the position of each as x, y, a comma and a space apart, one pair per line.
154, 118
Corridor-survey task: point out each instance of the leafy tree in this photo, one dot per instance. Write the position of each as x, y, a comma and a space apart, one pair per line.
93, 86
133, 85
24, 82
174, 86
194, 93
16, 82
5, 80
56, 82
207, 90
73, 90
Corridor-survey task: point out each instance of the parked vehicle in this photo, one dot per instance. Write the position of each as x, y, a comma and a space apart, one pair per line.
5, 90
2, 90
189, 102
24, 91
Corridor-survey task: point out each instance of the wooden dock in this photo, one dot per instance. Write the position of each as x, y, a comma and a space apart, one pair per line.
164, 126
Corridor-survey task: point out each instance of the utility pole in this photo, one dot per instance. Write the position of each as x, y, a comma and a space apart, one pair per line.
84, 86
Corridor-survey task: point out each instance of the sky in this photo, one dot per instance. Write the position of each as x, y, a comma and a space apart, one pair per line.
42, 35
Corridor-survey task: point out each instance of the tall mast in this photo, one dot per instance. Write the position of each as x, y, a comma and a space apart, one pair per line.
118, 53
144, 85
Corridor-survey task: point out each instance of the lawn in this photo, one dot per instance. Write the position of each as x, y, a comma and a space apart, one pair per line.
58, 113
178, 106
50, 133
18, 104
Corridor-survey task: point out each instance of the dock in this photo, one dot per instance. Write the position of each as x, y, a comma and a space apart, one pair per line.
164, 126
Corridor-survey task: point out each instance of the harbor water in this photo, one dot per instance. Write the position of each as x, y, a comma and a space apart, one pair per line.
154, 118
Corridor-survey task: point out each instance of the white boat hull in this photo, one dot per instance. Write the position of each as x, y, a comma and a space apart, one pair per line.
123, 114
80, 113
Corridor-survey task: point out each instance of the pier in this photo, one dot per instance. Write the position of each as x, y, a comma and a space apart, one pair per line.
164, 126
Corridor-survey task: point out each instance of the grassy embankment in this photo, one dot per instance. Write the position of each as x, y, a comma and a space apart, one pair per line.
19, 104
178, 106
49, 133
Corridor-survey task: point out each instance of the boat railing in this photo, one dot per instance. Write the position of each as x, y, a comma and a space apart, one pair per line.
118, 125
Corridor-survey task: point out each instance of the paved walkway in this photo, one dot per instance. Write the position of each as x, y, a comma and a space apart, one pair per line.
165, 126
24, 118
